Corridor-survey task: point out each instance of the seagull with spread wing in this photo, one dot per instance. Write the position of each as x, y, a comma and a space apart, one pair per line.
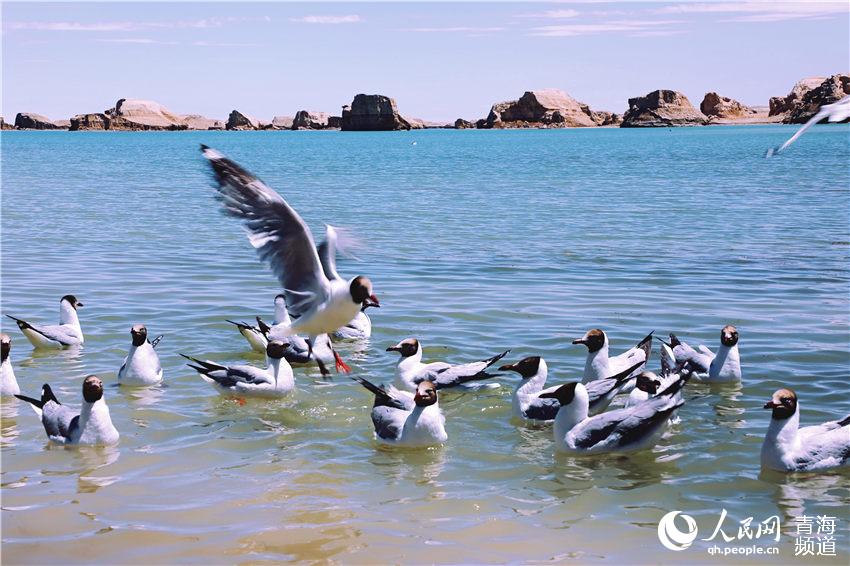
317, 304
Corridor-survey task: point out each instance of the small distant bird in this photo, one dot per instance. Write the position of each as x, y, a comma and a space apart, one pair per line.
244, 380
789, 448
530, 405
618, 430
8, 383
706, 366
67, 333
141, 366
410, 371
405, 419
316, 304
92, 425
835, 112
599, 365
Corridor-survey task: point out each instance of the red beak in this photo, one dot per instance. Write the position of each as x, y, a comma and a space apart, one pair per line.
372, 301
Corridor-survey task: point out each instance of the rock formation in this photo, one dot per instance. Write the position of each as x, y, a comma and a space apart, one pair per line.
307, 120
32, 121
335, 122
130, 114
541, 109
661, 108
135, 114
830, 90
461, 124
605, 118
4, 125
373, 112
240, 121
62, 124
714, 105
782, 104
282, 122
89, 122
198, 122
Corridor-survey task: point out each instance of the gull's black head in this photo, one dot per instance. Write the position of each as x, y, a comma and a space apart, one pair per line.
426, 394
526, 367
276, 349
406, 347
594, 340
71, 300
280, 297
729, 335
783, 403
139, 334
361, 292
564, 394
5, 346
92, 389
648, 382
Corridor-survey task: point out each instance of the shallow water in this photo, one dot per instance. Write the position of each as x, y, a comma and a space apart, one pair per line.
477, 241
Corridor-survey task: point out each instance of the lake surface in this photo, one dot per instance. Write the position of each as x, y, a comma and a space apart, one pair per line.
477, 241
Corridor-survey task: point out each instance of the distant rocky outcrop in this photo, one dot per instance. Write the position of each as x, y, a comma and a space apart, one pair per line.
198, 122
723, 107
95, 121
307, 120
4, 125
373, 112
32, 121
239, 121
282, 122
830, 90
461, 124
335, 122
130, 114
545, 108
783, 104
662, 108
62, 124
605, 118
135, 114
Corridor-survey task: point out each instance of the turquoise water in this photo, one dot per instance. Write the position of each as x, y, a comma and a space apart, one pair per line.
477, 241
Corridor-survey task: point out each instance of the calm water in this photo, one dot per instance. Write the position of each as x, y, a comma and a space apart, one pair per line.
477, 242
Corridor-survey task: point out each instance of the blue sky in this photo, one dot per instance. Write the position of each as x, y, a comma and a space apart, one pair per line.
438, 60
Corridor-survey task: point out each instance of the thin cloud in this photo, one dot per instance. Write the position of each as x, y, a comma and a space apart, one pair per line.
204, 23
761, 11
350, 19
458, 29
137, 40
629, 27
551, 15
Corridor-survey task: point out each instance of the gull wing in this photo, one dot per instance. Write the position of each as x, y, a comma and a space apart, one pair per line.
276, 231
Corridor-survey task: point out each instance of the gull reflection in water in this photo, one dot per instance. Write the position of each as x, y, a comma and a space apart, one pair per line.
73, 354
8, 420
421, 465
90, 461
808, 494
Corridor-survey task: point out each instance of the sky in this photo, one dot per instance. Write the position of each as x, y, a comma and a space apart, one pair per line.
440, 61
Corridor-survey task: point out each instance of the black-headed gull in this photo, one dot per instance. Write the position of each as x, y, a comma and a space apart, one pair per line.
8, 382
92, 425
789, 448
599, 365
317, 305
63, 335
706, 366
141, 366
835, 112
361, 325
250, 381
410, 371
618, 430
405, 419
529, 404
